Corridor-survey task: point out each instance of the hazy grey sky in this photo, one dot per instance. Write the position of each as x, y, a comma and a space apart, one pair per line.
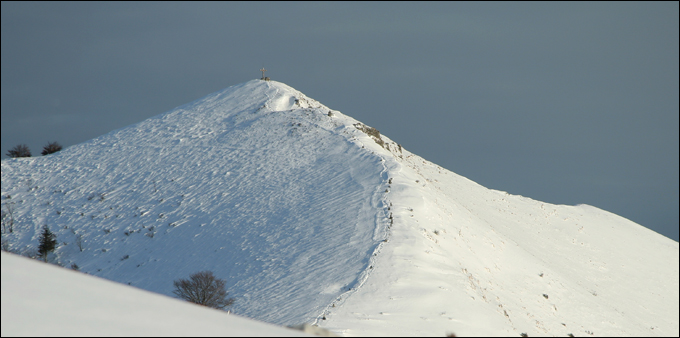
565, 103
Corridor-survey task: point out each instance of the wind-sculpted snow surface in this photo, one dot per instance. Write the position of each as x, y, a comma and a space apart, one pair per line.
255, 183
311, 216
466, 260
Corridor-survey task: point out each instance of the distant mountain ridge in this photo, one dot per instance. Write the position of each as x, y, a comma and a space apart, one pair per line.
312, 216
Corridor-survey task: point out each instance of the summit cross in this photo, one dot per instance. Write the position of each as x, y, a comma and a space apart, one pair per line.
263, 70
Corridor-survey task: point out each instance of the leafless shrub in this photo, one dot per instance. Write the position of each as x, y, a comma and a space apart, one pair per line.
19, 151
7, 217
79, 241
203, 288
50, 148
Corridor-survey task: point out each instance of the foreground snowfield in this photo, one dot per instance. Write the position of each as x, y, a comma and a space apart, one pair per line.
42, 300
313, 217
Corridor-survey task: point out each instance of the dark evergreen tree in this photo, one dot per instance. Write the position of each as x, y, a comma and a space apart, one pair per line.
203, 288
50, 148
48, 242
19, 151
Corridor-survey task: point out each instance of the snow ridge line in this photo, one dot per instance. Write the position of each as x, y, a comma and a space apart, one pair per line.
382, 226
379, 199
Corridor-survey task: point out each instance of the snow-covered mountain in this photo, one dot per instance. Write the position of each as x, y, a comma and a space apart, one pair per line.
312, 216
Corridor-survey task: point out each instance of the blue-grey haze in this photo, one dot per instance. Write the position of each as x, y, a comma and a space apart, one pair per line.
566, 103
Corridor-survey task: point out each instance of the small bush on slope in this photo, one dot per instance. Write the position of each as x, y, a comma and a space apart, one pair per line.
203, 288
50, 148
19, 151
48, 242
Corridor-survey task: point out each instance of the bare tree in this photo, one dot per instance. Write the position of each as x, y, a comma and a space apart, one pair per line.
79, 241
50, 148
7, 218
19, 151
203, 288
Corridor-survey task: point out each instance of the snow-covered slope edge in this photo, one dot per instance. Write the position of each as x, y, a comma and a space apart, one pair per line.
473, 261
44, 300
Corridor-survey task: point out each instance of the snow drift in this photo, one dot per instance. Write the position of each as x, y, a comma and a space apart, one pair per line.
312, 216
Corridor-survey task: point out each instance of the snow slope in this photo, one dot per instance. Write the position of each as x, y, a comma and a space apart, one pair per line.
309, 214
472, 261
44, 300
276, 200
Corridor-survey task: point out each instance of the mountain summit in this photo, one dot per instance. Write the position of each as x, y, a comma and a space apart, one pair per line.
312, 216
